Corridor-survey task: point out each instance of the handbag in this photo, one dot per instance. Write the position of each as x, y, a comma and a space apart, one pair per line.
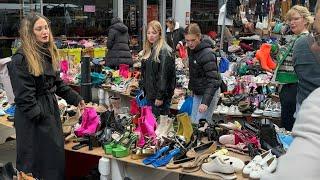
286, 77
141, 99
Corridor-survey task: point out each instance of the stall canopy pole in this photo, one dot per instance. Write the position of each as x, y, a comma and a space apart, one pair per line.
223, 28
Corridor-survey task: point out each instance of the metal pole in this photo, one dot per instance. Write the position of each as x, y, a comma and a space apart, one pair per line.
162, 7
41, 7
174, 9
223, 27
144, 24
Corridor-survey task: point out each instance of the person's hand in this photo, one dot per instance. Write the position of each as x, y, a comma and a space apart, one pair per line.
203, 108
81, 105
178, 46
158, 102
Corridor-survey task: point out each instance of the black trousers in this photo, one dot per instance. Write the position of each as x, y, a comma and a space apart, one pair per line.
288, 95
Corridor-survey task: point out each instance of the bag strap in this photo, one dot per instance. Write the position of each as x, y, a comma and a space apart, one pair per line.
288, 51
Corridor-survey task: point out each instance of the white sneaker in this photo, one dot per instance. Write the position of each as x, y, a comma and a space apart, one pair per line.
218, 165
236, 111
224, 110
217, 110
236, 163
257, 113
276, 112
231, 110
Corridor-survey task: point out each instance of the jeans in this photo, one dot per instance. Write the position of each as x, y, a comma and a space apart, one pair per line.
288, 96
196, 115
164, 109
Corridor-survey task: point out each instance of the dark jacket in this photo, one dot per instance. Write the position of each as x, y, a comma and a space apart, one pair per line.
40, 142
204, 76
306, 67
158, 78
174, 37
118, 45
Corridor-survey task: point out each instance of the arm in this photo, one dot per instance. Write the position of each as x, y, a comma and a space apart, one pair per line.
24, 87
66, 92
166, 67
212, 76
305, 146
111, 38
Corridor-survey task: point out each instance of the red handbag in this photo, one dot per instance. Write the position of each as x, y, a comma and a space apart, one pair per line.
183, 52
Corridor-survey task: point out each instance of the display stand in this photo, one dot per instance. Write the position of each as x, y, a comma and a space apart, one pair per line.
127, 160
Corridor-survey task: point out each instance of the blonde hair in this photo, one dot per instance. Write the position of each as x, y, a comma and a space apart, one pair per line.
193, 29
317, 8
303, 11
161, 43
32, 49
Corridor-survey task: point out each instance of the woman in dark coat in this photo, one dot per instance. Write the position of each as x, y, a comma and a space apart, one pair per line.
35, 81
118, 45
158, 70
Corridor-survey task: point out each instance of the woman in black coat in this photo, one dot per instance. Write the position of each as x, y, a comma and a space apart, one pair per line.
158, 70
35, 81
205, 79
118, 45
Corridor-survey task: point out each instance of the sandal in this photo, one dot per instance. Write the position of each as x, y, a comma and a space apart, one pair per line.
123, 149
109, 146
196, 164
202, 149
155, 156
164, 160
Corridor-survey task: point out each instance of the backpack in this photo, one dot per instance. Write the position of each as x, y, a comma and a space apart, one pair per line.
5, 79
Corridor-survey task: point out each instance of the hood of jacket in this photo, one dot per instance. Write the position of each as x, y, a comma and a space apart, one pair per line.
203, 45
119, 27
176, 26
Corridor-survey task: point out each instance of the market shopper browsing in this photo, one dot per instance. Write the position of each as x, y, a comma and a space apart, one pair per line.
299, 19
302, 158
205, 79
35, 81
157, 70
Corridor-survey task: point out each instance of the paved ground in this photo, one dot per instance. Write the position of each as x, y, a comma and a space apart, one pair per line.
8, 152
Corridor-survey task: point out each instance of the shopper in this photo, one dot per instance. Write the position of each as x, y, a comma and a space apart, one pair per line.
302, 158
306, 67
158, 70
299, 20
205, 79
174, 33
35, 81
118, 45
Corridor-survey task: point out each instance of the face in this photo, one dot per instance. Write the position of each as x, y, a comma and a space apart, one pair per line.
169, 25
316, 24
192, 40
41, 30
297, 23
152, 35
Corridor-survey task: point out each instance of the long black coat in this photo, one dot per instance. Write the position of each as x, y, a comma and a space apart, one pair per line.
40, 142
158, 79
118, 45
205, 78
